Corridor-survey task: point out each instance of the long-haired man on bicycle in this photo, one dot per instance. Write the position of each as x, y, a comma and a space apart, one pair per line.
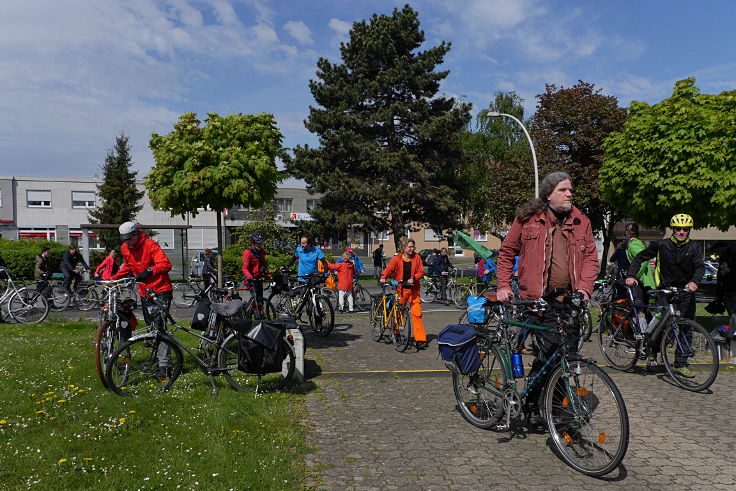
680, 264
144, 259
556, 249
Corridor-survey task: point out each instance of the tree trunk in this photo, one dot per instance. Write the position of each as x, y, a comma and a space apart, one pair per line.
219, 249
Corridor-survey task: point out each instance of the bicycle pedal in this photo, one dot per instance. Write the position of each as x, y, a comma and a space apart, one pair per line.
502, 427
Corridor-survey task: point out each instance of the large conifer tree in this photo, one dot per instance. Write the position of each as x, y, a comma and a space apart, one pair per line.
389, 151
117, 194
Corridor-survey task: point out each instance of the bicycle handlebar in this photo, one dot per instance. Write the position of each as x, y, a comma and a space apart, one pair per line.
115, 282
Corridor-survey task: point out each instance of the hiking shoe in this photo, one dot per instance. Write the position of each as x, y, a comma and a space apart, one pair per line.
684, 372
630, 349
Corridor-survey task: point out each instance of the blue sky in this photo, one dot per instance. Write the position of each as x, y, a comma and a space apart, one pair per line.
74, 73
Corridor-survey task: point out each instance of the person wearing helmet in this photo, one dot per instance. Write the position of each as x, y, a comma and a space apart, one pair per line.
144, 259
680, 264
254, 264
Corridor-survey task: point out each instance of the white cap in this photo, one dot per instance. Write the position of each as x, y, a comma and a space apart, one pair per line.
128, 230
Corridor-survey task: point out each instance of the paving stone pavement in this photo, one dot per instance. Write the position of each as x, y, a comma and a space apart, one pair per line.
401, 429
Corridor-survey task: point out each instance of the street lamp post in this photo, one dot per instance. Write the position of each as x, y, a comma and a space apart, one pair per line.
494, 114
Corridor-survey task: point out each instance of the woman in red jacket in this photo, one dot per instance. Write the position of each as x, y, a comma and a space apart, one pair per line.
108, 267
407, 269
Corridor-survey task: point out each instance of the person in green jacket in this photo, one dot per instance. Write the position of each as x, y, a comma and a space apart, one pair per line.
634, 246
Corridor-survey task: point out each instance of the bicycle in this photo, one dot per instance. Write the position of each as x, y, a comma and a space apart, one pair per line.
387, 313
475, 288
583, 409
306, 298
622, 342
83, 295
136, 368
185, 294
20, 303
115, 325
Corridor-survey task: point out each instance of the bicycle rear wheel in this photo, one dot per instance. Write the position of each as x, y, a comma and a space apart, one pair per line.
376, 313
330, 295
478, 405
460, 296
321, 316
28, 306
587, 323
133, 369
400, 328
183, 295
60, 298
688, 345
617, 343
587, 417
227, 360
361, 297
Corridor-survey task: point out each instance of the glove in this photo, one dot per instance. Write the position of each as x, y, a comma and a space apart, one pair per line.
143, 275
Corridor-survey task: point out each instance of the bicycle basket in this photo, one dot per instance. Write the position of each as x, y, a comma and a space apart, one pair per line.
458, 348
259, 348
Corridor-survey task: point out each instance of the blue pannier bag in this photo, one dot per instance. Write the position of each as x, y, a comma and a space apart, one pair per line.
458, 348
476, 310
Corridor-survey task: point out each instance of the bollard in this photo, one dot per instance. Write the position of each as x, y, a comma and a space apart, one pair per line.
298, 355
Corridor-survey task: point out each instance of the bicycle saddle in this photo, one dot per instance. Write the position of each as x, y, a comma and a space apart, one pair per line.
227, 309
492, 298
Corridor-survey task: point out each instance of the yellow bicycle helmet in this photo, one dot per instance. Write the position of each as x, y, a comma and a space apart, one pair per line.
681, 220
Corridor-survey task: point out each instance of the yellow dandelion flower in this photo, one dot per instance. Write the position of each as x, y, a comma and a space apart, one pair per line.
62, 400
80, 391
87, 458
122, 420
40, 411
3, 422
132, 411
61, 461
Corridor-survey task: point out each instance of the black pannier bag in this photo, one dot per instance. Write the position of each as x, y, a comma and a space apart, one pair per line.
260, 349
458, 348
201, 313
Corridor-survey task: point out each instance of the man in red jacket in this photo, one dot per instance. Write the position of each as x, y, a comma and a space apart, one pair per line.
556, 249
144, 258
254, 264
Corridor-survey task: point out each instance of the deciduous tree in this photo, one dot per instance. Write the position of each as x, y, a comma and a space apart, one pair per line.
228, 161
676, 156
388, 153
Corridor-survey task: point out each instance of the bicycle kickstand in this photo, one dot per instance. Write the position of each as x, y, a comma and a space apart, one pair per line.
214, 388
507, 425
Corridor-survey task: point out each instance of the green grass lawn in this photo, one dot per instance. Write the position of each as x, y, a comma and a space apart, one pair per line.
60, 429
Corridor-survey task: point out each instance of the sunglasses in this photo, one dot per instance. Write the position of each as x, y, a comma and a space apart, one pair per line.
681, 229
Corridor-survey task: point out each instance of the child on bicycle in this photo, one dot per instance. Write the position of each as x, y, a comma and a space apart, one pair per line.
345, 274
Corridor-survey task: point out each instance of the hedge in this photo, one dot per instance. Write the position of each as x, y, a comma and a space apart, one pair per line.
20, 255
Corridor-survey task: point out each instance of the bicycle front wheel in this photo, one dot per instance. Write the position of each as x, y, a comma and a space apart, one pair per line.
183, 295
460, 297
86, 298
362, 297
587, 324
28, 306
60, 298
400, 328
587, 417
690, 355
322, 316
617, 343
479, 395
144, 366
427, 292
227, 360
376, 320
109, 338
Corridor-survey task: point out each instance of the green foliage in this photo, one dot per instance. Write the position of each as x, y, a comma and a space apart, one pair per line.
118, 194
20, 255
676, 156
230, 161
60, 429
568, 130
498, 168
389, 143
276, 239
232, 260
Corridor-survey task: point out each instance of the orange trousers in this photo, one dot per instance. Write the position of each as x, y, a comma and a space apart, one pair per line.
411, 296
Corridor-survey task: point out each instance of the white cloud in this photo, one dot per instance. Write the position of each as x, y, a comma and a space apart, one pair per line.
340, 26
299, 31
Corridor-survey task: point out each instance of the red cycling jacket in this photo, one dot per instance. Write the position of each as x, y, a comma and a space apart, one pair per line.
146, 254
345, 274
532, 242
108, 267
254, 263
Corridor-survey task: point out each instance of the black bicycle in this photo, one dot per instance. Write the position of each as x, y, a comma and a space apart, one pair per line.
306, 299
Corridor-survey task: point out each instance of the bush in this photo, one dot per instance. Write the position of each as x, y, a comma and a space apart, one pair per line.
232, 261
20, 255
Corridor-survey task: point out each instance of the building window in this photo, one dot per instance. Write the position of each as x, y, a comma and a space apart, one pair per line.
312, 204
432, 235
83, 199
283, 204
38, 199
